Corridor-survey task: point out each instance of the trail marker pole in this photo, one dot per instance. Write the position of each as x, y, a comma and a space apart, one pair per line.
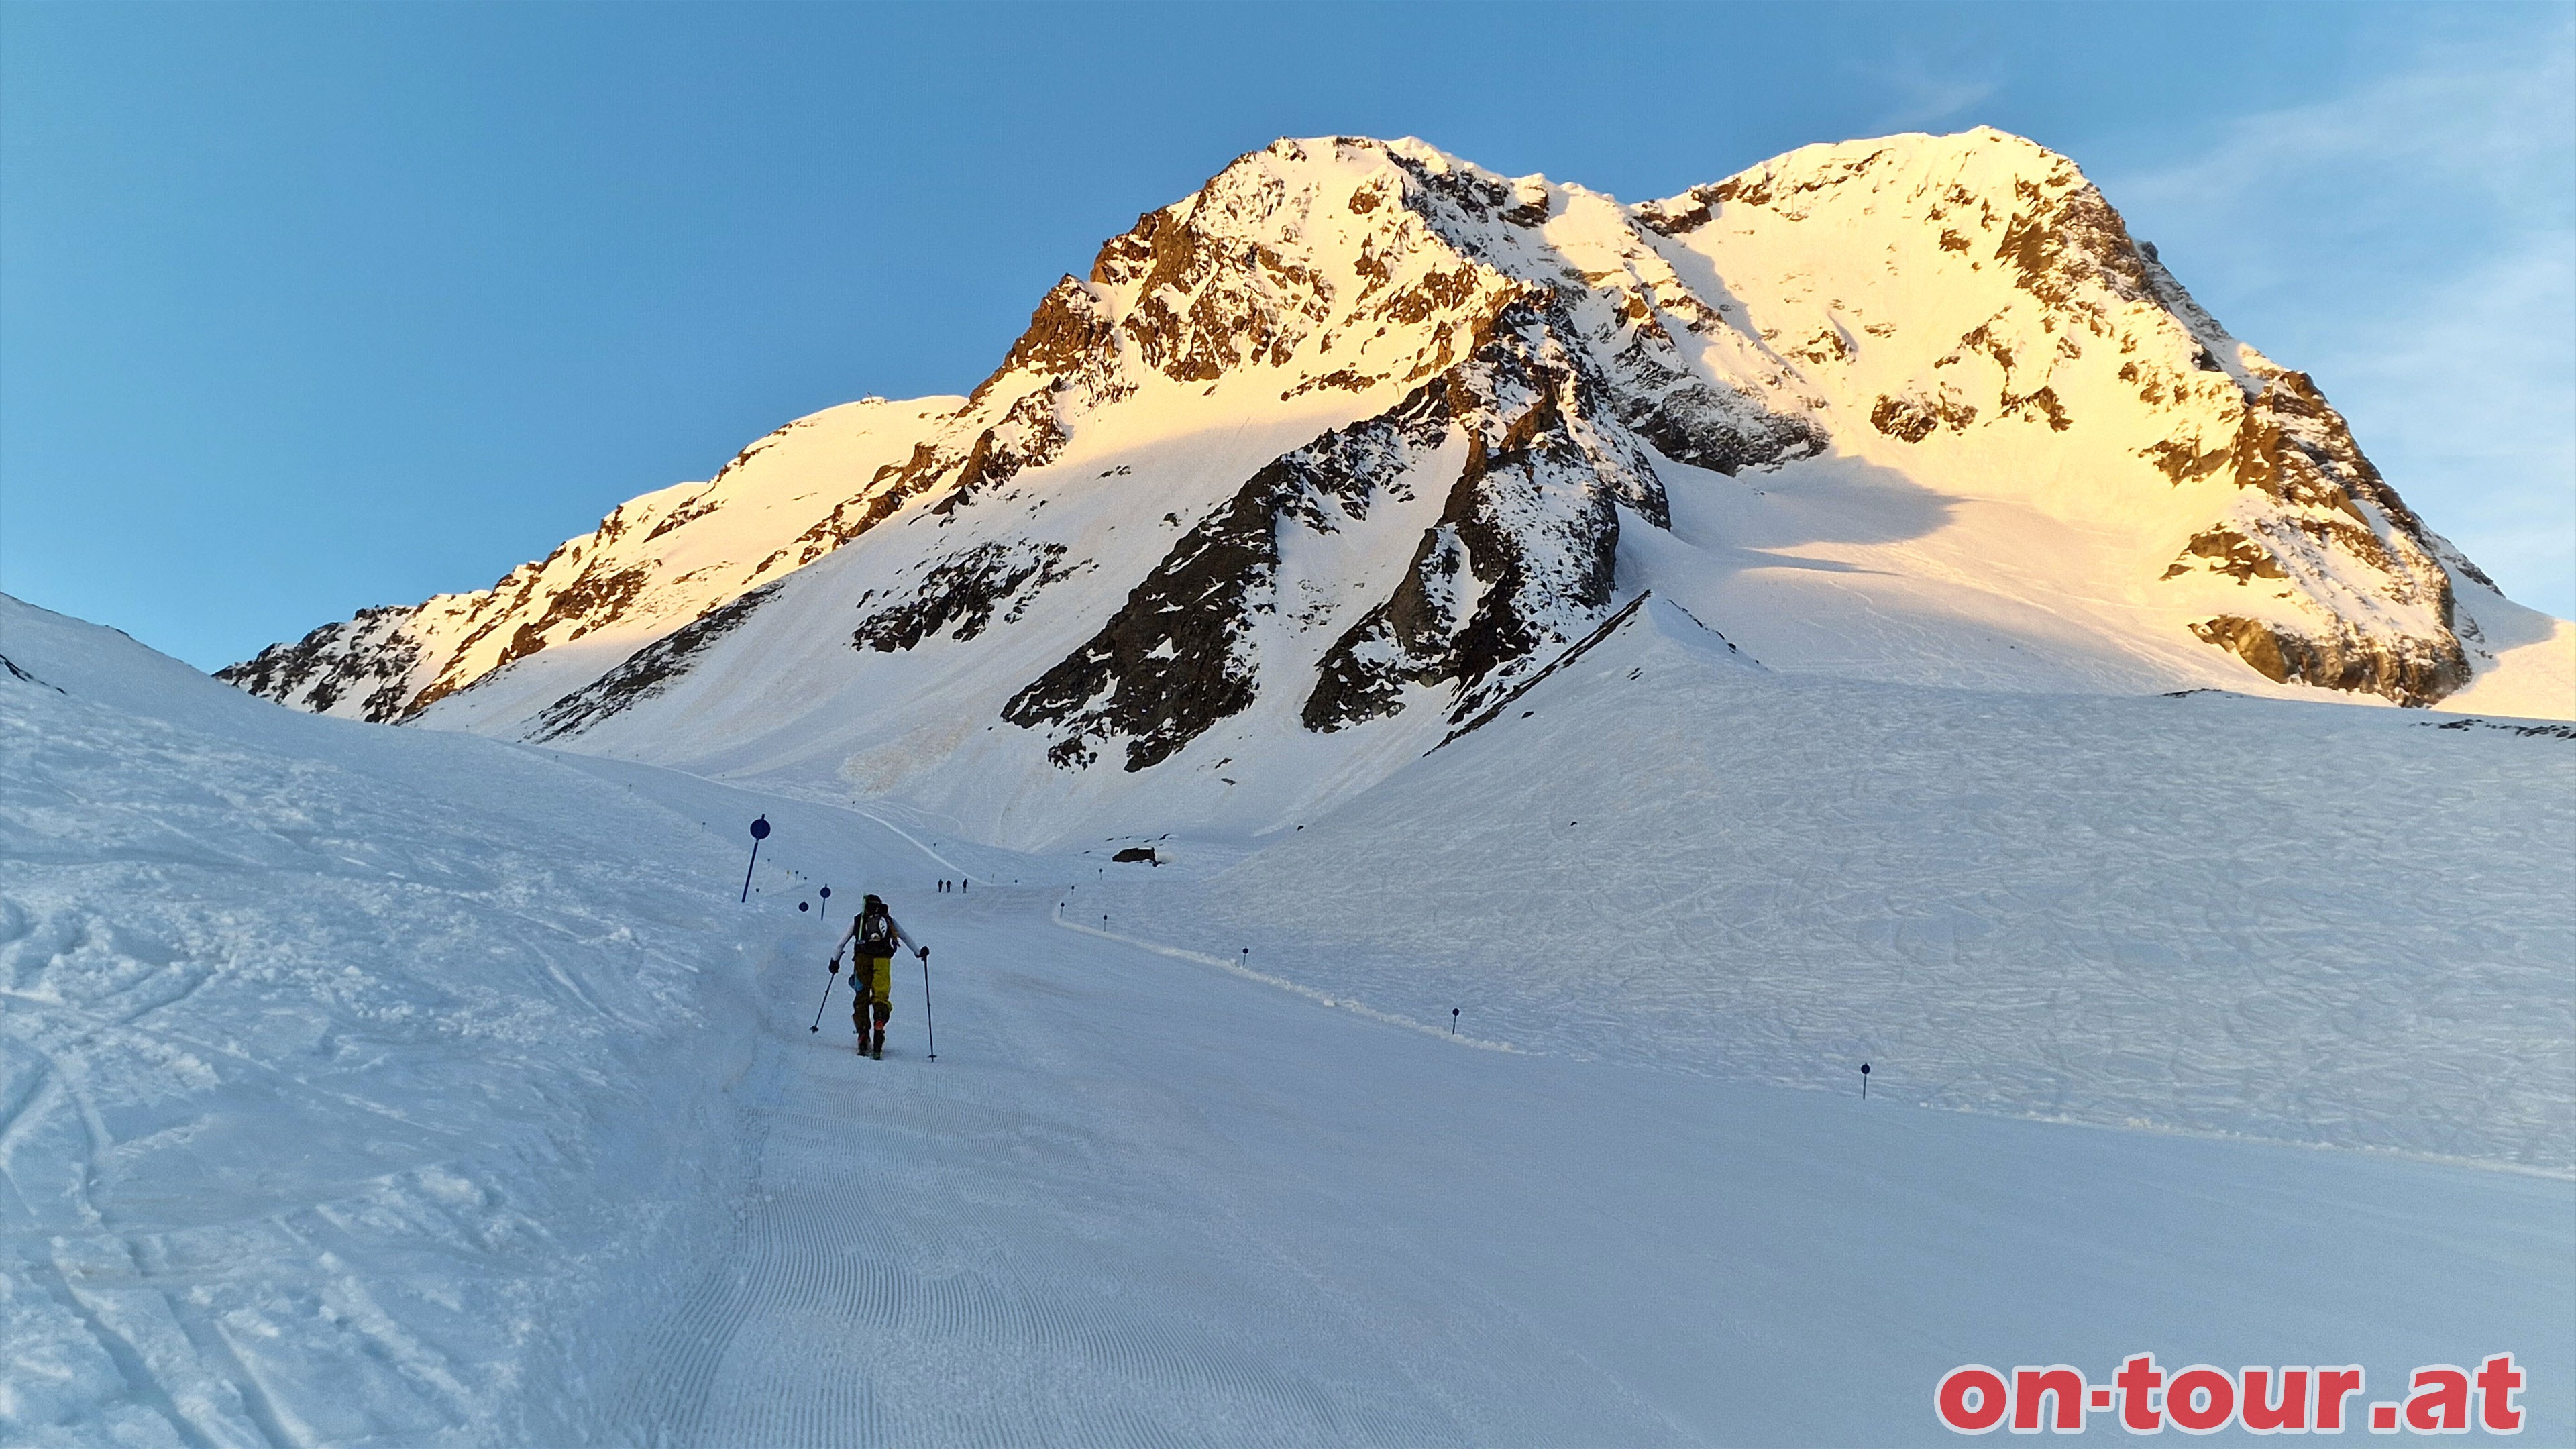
1864, 1081
927, 1019
759, 833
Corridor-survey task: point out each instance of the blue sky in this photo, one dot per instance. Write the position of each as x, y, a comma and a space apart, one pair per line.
304, 309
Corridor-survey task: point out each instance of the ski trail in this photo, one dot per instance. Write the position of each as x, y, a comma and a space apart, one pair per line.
910, 839
1131, 1205
884, 1286
1281, 983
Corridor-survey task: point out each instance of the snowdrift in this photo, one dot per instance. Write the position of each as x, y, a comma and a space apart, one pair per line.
334, 1101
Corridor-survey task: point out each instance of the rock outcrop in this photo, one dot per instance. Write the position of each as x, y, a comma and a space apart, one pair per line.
1359, 437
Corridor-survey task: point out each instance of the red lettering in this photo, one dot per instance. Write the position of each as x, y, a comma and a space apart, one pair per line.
1971, 1399
2497, 1379
2439, 1401
2138, 1381
2067, 1384
2334, 1385
2200, 1400
2261, 1415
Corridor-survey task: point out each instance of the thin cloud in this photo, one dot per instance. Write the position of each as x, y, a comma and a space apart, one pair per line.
2498, 122
2409, 242
1921, 97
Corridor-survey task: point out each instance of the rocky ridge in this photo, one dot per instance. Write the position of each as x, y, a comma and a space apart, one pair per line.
1482, 386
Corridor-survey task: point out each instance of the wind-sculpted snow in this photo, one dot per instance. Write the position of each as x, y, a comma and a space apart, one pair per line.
328, 1067
1916, 409
368, 1086
2205, 913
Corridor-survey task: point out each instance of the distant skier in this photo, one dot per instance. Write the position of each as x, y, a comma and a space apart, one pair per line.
872, 939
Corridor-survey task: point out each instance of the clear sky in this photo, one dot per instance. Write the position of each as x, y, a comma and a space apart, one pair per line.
304, 309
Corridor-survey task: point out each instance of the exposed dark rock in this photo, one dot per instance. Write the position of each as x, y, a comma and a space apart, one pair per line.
368, 652
649, 670
2413, 672
1912, 419
1136, 854
1340, 380
2182, 461
14, 672
1526, 541
1531, 211
1580, 647
1726, 432
2231, 553
1205, 302
1172, 660
1470, 194
2291, 446
893, 486
2528, 731
1065, 333
964, 591
2063, 234
1693, 208
2042, 402
691, 511
1675, 216
597, 597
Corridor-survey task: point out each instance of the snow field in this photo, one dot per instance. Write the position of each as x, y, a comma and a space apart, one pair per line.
377, 1087
2201, 914
1140, 1199
333, 1100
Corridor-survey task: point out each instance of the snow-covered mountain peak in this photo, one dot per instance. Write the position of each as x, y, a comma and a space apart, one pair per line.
1312, 466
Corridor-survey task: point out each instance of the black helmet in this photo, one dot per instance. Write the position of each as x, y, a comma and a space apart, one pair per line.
872, 901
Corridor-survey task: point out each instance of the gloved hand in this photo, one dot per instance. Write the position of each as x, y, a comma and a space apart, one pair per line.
836, 965
925, 953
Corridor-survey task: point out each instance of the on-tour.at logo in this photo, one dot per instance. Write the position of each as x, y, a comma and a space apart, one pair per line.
2144, 1398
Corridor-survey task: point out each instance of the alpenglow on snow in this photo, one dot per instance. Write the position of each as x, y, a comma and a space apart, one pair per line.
1318, 464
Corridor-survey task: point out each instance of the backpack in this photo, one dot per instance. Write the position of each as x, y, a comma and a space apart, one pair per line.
876, 935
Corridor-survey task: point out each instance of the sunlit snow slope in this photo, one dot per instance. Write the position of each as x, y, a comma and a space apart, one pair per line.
1316, 463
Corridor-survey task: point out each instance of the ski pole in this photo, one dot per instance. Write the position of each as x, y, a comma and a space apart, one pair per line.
827, 994
927, 1019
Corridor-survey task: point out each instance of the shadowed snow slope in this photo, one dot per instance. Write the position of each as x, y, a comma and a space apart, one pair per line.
364, 1086
328, 1097
2205, 913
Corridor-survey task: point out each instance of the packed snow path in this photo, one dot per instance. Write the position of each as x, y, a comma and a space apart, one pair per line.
383, 1087
1140, 1201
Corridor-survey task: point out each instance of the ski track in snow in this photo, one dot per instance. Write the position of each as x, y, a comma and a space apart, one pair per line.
1138, 1200
365, 1086
2214, 915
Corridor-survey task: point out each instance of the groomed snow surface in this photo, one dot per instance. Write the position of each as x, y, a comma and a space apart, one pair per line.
373, 1086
